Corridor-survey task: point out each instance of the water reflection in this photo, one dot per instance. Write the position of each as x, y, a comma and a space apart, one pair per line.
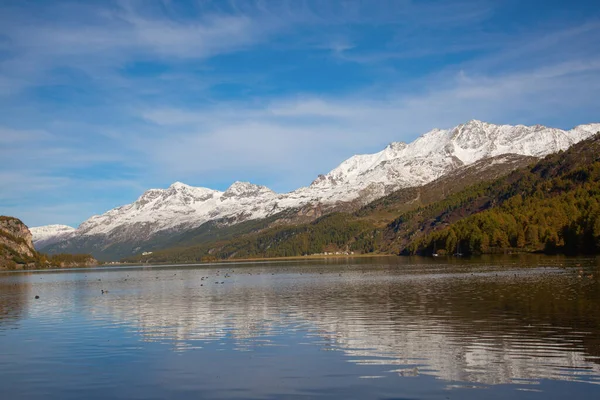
14, 295
484, 324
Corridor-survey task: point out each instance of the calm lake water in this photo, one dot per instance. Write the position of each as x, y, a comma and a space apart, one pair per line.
389, 328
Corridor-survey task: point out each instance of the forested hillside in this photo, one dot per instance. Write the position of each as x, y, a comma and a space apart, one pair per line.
552, 207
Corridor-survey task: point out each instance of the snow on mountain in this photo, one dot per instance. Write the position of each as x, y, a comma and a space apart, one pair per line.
361, 178
48, 234
439, 152
181, 206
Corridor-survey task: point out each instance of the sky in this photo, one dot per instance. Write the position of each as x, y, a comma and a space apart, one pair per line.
102, 100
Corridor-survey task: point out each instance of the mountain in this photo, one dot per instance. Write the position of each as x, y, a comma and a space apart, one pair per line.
354, 183
17, 251
46, 235
552, 205
387, 208
440, 151
181, 207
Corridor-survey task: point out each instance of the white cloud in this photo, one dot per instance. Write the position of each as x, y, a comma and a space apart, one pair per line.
99, 40
131, 33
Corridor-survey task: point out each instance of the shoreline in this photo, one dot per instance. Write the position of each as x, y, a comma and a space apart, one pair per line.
215, 262
275, 259
246, 260
311, 257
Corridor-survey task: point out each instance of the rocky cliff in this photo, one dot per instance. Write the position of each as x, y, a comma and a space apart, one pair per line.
16, 246
17, 251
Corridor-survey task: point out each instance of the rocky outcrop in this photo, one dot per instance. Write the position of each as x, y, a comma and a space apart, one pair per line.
16, 246
17, 251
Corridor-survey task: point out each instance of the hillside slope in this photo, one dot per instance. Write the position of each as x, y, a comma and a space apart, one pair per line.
553, 207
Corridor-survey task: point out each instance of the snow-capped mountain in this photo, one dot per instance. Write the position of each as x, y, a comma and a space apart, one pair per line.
181, 207
46, 235
439, 151
360, 179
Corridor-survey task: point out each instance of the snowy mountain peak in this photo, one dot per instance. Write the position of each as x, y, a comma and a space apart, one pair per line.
178, 194
586, 130
45, 235
246, 189
396, 146
148, 196
438, 152
179, 185
179, 188
41, 231
474, 123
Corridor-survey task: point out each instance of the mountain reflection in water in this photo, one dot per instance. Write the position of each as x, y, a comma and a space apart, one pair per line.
480, 323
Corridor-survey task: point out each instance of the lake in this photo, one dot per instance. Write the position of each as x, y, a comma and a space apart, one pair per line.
387, 328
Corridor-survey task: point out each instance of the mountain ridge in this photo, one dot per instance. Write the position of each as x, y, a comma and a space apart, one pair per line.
550, 205
356, 182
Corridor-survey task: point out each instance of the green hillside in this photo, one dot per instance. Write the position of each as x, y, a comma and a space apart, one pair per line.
553, 207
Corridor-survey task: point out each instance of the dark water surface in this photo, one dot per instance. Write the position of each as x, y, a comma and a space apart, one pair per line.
390, 328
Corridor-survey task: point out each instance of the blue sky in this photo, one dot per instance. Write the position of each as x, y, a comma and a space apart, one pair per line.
102, 100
